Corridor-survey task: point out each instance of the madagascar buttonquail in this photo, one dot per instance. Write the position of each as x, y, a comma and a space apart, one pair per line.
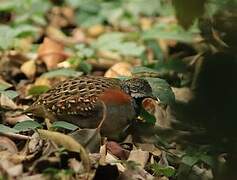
81, 101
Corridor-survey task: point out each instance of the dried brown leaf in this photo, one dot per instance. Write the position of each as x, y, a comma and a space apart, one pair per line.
117, 150
13, 119
139, 156
96, 30
29, 68
51, 53
88, 138
119, 69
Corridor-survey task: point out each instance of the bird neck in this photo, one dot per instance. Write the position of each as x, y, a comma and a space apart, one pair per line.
137, 102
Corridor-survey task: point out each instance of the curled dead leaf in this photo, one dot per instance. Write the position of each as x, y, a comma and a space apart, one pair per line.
67, 142
149, 105
51, 53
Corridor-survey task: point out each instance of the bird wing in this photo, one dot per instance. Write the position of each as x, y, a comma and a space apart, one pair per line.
78, 96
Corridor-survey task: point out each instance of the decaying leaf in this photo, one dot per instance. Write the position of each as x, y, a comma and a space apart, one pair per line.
88, 138
7, 144
151, 148
11, 169
68, 143
117, 150
139, 156
13, 119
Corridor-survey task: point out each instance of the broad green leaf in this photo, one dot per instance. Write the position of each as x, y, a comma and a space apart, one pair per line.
167, 171
7, 36
106, 40
4, 85
7, 6
64, 125
25, 30
190, 160
169, 33
162, 90
27, 125
115, 42
137, 7
187, 11
6, 129
62, 72
10, 93
149, 118
143, 71
207, 159
37, 90
85, 67
172, 65
127, 48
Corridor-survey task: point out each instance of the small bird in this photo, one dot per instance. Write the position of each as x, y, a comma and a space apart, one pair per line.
83, 100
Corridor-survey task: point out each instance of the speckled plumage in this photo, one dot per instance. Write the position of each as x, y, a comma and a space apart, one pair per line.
80, 101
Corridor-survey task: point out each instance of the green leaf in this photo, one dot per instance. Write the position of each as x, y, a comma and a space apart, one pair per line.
172, 65
7, 36
142, 7
10, 93
6, 129
207, 159
85, 67
115, 42
190, 160
4, 85
187, 11
64, 125
162, 90
27, 125
142, 71
169, 33
7, 6
159, 170
149, 118
62, 72
37, 90
105, 41
25, 30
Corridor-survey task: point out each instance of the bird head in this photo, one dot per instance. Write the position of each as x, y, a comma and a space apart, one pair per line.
137, 88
